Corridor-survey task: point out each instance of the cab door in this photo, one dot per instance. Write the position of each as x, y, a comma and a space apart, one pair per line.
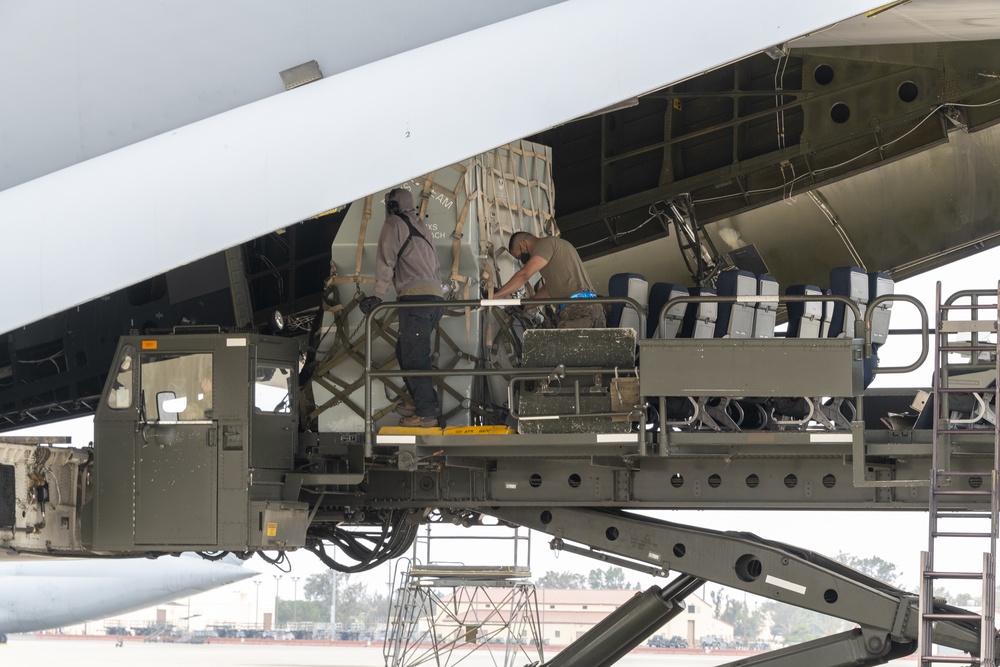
275, 415
176, 451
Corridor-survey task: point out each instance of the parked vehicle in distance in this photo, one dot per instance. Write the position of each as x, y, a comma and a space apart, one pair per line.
713, 643
659, 641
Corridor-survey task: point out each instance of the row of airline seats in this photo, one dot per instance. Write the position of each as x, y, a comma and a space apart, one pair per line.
584, 404
743, 319
747, 318
832, 319
829, 319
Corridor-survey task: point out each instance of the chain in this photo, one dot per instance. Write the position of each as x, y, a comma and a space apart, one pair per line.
361, 324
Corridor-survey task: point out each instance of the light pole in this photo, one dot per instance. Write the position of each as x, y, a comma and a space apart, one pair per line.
277, 581
295, 600
333, 604
542, 621
256, 602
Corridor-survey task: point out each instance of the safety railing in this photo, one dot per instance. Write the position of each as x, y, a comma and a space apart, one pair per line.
509, 373
923, 332
862, 330
862, 325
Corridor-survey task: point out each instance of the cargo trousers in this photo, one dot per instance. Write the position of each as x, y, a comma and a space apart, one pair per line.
581, 315
413, 350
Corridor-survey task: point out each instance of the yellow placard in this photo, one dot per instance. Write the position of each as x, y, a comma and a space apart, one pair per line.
272, 529
479, 430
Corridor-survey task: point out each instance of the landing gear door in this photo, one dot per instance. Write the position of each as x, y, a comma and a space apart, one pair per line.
176, 451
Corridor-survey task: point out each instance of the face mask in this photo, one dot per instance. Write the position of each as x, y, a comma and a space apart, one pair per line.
524, 257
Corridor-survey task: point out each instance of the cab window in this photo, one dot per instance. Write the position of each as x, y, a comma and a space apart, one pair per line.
120, 396
272, 389
177, 387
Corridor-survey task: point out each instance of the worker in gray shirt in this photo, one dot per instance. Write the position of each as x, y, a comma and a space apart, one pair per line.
407, 259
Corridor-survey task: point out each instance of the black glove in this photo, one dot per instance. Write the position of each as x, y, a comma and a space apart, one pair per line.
368, 304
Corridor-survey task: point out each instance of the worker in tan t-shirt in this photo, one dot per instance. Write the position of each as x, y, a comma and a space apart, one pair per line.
562, 270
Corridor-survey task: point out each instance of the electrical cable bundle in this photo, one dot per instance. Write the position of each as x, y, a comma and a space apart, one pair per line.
369, 548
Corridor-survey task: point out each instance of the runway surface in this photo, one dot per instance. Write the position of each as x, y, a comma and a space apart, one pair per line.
26, 650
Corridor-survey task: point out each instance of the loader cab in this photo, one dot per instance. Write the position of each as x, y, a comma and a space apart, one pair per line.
194, 431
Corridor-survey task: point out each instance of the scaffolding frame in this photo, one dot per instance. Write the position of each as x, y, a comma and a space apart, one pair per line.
440, 614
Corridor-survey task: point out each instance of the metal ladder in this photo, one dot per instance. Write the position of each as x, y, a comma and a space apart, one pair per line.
957, 495
405, 612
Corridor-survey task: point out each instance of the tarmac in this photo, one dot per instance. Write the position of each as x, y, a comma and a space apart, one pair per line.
40, 649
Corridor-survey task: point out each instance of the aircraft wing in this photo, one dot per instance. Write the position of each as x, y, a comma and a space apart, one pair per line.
42, 594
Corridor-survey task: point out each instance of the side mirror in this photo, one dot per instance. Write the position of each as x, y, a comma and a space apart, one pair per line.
168, 406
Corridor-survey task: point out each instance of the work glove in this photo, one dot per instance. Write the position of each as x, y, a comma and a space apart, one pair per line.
368, 304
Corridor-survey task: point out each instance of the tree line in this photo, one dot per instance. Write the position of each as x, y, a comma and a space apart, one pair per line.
608, 579
357, 606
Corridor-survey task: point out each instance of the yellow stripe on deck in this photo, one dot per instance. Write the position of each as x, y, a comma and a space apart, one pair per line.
451, 430
479, 430
408, 430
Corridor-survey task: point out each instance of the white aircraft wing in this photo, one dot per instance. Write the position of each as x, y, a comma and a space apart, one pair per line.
44, 594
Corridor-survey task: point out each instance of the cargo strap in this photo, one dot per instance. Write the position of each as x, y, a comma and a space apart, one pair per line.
414, 233
425, 194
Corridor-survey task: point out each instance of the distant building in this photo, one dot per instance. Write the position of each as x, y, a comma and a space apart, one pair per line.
565, 615
232, 605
